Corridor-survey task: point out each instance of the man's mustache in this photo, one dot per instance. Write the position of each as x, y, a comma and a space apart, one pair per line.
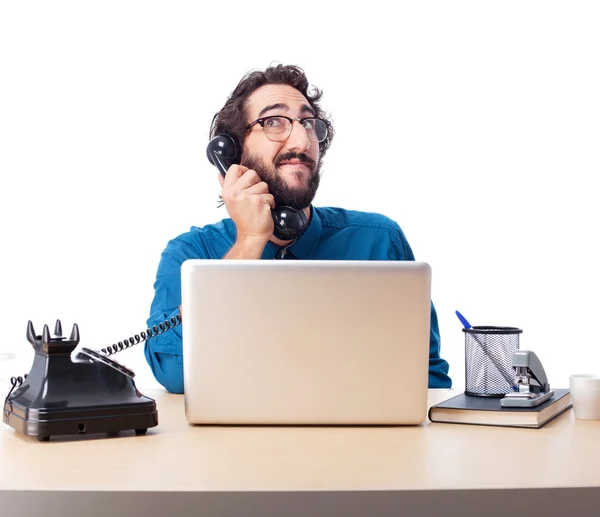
302, 157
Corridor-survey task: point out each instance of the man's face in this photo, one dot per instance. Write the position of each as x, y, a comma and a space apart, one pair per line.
290, 167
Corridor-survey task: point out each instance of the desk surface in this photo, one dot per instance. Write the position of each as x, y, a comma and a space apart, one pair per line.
178, 457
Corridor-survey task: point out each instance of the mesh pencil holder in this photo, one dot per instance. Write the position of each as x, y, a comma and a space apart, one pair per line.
489, 355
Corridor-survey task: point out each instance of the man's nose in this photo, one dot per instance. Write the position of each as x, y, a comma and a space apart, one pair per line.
298, 138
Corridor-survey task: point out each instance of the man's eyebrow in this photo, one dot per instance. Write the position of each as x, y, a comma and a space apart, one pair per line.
281, 106
307, 109
270, 107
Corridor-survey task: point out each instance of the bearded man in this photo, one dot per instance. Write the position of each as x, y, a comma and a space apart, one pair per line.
274, 119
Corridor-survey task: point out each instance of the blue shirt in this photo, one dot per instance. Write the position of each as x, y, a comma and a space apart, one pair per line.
333, 234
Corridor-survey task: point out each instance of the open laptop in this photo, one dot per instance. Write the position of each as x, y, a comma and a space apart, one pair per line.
274, 342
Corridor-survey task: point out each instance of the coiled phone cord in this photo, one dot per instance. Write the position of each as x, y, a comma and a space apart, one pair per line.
16, 382
143, 336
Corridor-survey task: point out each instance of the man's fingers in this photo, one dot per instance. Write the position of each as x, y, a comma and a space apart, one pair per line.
259, 188
248, 178
234, 173
241, 181
269, 199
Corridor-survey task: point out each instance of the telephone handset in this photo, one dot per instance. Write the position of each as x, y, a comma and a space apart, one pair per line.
223, 151
88, 394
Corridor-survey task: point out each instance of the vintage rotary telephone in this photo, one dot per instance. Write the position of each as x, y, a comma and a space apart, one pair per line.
87, 394
223, 151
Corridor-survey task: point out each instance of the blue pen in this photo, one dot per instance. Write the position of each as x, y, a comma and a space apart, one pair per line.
463, 320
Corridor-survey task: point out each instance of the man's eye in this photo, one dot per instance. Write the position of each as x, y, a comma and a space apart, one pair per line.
274, 122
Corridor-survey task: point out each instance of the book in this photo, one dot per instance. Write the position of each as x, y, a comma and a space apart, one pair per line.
467, 409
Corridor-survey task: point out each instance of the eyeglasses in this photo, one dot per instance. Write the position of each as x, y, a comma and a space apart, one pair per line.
278, 128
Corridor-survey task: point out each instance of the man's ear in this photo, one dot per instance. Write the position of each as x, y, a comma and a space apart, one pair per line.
221, 179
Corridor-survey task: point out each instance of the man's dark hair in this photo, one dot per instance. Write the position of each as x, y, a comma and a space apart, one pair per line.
233, 117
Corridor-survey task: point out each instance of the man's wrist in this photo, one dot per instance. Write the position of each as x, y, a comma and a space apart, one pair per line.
247, 248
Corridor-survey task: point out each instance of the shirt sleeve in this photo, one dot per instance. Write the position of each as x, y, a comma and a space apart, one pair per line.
438, 367
164, 351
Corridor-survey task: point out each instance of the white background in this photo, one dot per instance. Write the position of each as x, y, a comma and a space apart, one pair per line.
475, 125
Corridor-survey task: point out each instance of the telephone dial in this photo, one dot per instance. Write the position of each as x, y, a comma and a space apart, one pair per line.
225, 150
86, 394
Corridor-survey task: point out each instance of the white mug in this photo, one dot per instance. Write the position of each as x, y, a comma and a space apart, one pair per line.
585, 395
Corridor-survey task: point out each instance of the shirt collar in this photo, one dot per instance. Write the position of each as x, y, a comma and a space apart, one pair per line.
304, 247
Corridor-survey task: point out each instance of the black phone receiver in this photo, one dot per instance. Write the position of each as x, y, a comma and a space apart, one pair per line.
223, 151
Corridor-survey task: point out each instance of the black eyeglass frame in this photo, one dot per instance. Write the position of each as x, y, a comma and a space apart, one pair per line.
261, 122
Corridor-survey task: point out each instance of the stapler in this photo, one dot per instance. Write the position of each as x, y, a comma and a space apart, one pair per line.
531, 379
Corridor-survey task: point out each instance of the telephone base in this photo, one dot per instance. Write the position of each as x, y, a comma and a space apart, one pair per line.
82, 395
44, 423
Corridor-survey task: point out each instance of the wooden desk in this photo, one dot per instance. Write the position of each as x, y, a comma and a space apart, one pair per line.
177, 469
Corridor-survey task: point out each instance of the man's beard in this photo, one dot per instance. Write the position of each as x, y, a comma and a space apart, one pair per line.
284, 195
